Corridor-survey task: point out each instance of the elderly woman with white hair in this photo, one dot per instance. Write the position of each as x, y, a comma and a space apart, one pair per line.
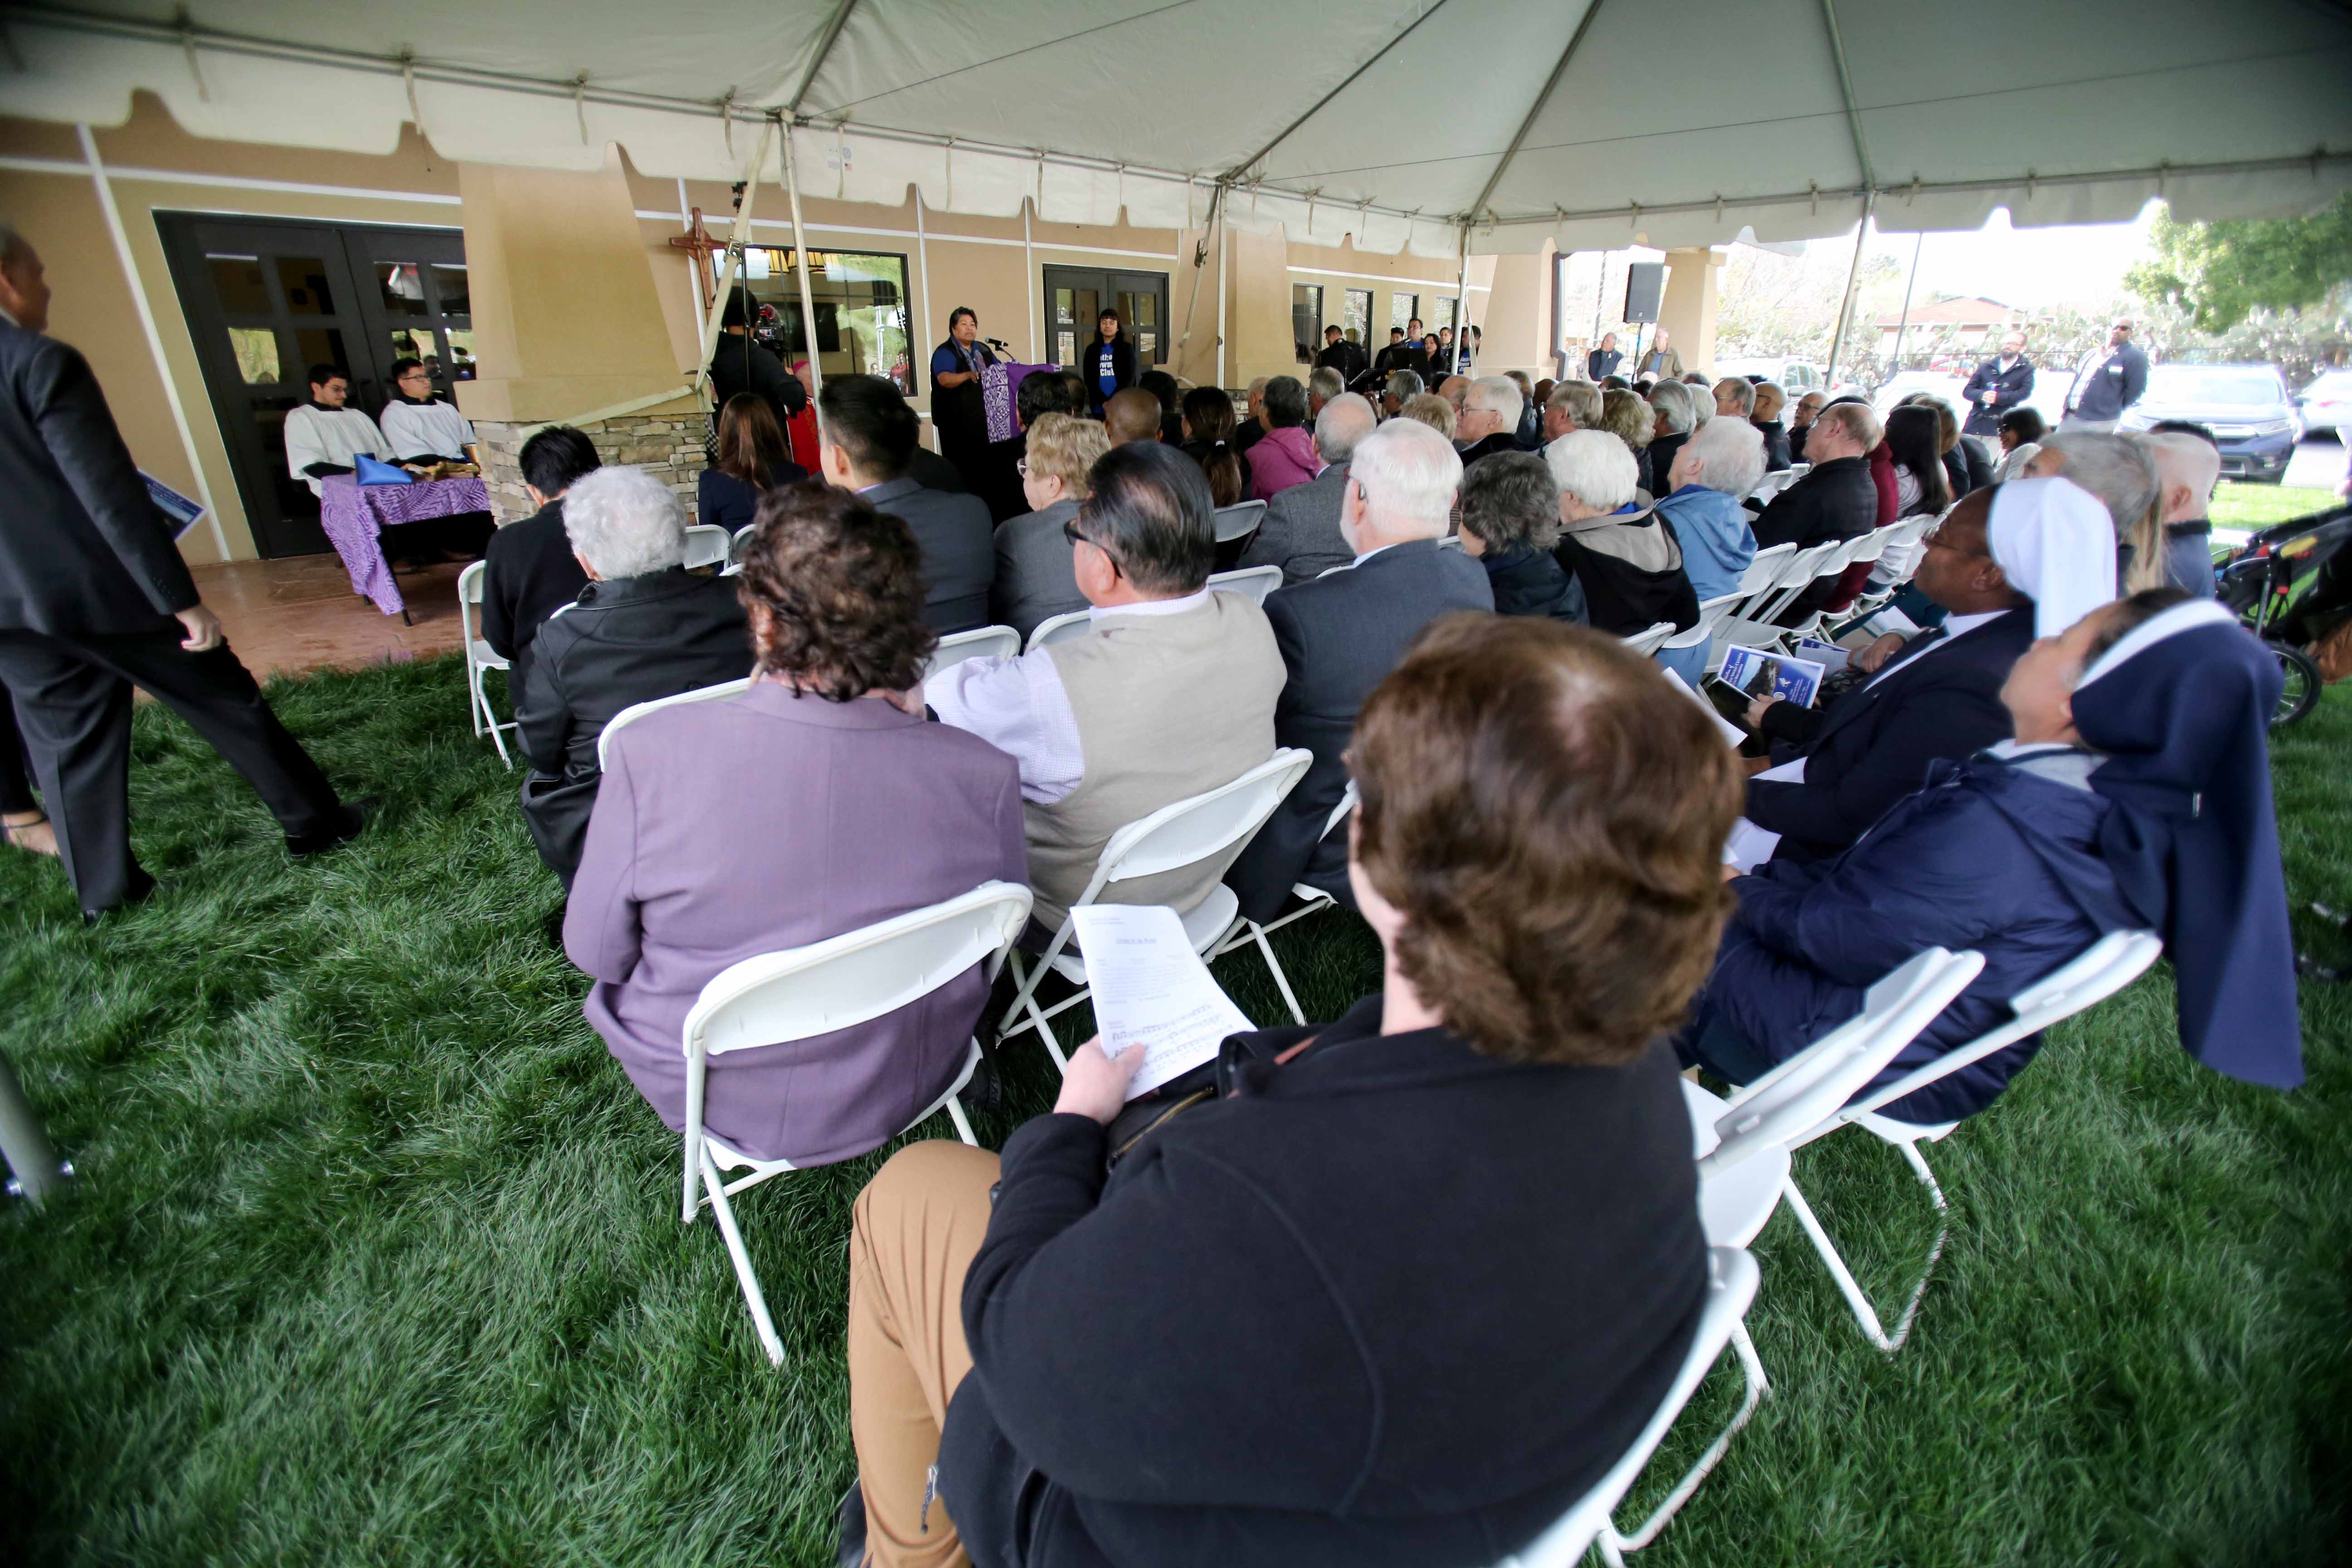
1628, 565
643, 627
1674, 413
1722, 461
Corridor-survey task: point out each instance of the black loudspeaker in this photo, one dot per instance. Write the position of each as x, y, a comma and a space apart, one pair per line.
1645, 281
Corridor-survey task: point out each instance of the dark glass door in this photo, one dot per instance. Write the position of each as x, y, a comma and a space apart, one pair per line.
266, 300
1075, 298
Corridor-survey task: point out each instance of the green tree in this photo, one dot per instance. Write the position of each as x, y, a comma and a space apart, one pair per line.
2221, 272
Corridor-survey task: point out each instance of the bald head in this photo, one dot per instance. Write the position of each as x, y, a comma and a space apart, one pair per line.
1453, 389
1132, 415
1342, 426
2187, 470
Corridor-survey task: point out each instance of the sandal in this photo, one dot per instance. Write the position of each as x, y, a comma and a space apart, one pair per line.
34, 836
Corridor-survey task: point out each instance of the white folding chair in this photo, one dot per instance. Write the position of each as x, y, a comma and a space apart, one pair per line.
480, 658
1252, 581
1182, 833
637, 710
1731, 1281
1758, 626
1059, 628
707, 544
1651, 638
779, 997
1742, 1147
1238, 521
735, 548
980, 642
2105, 967
1310, 899
1710, 616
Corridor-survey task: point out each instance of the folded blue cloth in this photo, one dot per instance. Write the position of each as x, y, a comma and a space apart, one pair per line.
372, 472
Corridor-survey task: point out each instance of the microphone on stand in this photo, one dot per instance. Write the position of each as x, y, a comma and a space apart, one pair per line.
998, 344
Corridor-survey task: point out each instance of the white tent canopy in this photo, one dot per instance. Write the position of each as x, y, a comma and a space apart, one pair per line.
1591, 123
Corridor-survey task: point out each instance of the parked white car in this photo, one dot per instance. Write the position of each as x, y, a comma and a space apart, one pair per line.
1794, 376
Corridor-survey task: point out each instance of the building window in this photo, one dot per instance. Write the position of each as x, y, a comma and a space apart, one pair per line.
861, 311
1402, 309
1305, 321
1356, 321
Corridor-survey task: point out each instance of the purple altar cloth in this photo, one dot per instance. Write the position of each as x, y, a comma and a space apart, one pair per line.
353, 514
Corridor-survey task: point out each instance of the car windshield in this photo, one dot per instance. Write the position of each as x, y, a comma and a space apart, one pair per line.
2195, 383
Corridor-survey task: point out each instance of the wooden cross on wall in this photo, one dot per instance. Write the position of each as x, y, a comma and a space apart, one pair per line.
700, 245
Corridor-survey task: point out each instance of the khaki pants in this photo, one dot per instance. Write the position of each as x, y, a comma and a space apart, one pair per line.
918, 1225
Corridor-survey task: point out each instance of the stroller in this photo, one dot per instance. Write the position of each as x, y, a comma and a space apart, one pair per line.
2291, 584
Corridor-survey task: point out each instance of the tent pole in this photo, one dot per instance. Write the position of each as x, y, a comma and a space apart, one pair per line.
801, 268
1462, 298
1200, 265
725, 283
1903, 321
1224, 278
1853, 276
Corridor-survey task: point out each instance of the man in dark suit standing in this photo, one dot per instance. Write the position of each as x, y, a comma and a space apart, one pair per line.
1939, 697
870, 436
1341, 634
2000, 384
94, 599
1342, 355
529, 571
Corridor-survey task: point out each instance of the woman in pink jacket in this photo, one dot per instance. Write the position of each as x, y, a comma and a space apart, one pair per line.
1286, 455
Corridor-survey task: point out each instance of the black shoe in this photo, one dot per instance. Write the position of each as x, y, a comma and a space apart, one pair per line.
850, 1523
138, 892
347, 826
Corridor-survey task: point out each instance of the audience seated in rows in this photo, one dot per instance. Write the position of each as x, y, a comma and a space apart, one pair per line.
1921, 485
1034, 578
1397, 389
1510, 526
530, 571
870, 434
1300, 532
1769, 400
643, 628
1286, 455
1273, 1333
1208, 414
2188, 466
1624, 415
1967, 464
1171, 692
1340, 637
1453, 389
1322, 386
1800, 425
1428, 408
1169, 395
1722, 461
1675, 411
2021, 430
999, 465
753, 460
1572, 406
1251, 429
1130, 417
2117, 469
1489, 421
1840, 498
1529, 435
2135, 795
1627, 563
815, 802
2004, 561
1735, 397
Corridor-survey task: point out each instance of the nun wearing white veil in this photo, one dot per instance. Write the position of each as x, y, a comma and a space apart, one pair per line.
2134, 795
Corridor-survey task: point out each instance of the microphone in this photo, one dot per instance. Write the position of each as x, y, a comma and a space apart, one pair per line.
998, 344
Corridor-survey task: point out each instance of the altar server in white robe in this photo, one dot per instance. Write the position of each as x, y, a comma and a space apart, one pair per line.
418, 427
322, 436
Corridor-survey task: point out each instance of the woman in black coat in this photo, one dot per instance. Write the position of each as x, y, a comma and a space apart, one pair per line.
1106, 364
1273, 1329
1510, 524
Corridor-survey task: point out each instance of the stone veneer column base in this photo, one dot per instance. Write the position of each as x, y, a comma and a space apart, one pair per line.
666, 446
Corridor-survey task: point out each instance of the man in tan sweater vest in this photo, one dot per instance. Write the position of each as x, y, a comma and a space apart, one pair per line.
1171, 694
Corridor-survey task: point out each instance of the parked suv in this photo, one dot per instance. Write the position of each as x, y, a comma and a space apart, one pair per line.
2247, 407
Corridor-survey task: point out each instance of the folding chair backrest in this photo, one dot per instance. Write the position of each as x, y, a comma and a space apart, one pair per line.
1871, 545
742, 541
1710, 616
706, 545
1652, 639
1732, 1283
1186, 832
1238, 521
859, 975
636, 712
980, 642
1059, 628
1256, 582
1813, 1086
2104, 968
471, 588
1765, 569
1349, 800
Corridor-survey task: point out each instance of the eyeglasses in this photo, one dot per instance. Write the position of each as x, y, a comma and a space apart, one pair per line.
415, 375
1934, 540
1070, 531
1021, 466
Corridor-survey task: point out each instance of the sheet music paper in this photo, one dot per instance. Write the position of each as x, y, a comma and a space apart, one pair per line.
1152, 989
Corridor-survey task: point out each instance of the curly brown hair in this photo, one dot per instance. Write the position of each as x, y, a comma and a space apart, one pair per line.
1548, 818
834, 591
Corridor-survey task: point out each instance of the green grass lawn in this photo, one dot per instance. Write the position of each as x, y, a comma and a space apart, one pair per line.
375, 1257
2240, 505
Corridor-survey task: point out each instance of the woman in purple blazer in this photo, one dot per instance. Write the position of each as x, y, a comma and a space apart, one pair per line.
818, 801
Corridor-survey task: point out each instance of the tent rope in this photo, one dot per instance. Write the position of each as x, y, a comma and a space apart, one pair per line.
580, 104
196, 67
726, 119
409, 80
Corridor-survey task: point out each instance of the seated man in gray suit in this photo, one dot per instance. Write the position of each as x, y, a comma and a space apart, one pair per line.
1301, 531
643, 627
1034, 581
1171, 694
1341, 634
870, 436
